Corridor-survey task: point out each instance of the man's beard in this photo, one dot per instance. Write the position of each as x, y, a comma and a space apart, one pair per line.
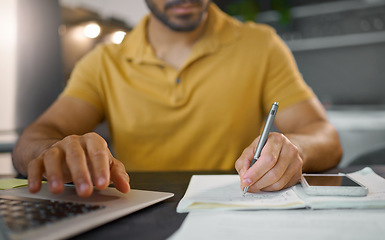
162, 17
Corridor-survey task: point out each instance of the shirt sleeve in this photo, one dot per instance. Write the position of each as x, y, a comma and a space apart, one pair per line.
85, 80
284, 82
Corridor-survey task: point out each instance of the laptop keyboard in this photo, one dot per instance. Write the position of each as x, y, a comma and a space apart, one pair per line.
21, 214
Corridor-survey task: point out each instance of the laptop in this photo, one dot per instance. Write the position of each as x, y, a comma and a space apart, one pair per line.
43, 215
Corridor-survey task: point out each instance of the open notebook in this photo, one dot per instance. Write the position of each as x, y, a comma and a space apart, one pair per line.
48, 216
222, 192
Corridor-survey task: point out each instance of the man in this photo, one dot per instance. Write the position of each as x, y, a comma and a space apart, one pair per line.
188, 89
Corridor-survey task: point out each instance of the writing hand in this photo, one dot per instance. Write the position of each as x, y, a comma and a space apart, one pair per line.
279, 165
84, 160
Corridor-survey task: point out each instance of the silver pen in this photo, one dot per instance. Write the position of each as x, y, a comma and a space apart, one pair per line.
264, 135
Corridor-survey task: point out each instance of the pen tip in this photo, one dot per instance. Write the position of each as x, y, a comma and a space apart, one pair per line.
245, 190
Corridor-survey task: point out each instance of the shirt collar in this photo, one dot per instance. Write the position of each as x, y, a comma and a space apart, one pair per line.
219, 31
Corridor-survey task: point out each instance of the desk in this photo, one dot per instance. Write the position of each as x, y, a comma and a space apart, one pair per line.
155, 222
161, 220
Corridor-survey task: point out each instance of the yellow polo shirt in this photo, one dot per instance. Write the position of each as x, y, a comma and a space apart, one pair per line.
200, 117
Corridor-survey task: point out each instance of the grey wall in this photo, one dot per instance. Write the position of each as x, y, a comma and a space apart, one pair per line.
39, 68
352, 75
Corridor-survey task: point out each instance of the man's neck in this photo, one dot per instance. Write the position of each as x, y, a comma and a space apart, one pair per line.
171, 46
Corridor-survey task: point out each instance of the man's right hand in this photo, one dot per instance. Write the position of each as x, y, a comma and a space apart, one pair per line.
84, 160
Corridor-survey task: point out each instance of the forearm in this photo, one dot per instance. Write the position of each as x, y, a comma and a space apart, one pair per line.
319, 146
34, 140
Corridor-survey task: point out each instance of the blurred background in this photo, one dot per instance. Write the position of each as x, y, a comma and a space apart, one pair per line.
339, 46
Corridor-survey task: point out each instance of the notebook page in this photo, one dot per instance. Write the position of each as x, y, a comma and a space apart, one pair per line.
219, 192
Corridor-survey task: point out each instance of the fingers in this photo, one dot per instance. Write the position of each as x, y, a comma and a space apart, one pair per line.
268, 159
285, 181
53, 169
76, 161
84, 160
119, 176
35, 172
98, 155
243, 162
279, 166
286, 173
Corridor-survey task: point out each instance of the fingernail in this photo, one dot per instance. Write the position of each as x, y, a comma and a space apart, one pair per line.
32, 184
246, 182
83, 187
101, 181
54, 184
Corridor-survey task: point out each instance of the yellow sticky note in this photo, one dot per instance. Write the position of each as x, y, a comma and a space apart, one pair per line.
12, 183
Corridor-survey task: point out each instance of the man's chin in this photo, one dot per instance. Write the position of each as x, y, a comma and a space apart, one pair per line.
183, 25
178, 28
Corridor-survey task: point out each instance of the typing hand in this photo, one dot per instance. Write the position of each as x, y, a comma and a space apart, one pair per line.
279, 165
84, 160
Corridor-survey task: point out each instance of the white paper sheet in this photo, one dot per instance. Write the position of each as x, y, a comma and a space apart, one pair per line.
341, 224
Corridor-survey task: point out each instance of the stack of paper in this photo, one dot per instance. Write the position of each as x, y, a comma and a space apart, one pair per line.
219, 193
299, 224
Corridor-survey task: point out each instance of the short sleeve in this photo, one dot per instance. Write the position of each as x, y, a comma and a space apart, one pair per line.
84, 82
284, 82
